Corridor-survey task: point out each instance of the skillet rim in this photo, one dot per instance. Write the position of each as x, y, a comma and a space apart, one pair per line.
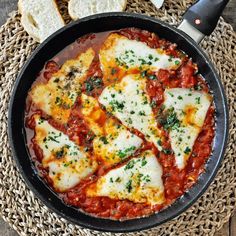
203, 186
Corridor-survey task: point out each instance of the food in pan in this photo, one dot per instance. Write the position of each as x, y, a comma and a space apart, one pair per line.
120, 124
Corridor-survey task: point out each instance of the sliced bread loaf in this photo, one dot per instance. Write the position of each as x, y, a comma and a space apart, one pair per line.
157, 3
81, 8
40, 18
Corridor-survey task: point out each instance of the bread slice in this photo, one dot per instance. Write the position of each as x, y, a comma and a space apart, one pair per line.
157, 3
81, 8
40, 18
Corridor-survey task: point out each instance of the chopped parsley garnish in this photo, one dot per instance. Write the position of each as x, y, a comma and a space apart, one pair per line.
58, 101
169, 120
93, 82
187, 150
128, 186
144, 162
59, 154
116, 105
180, 97
197, 100
125, 152
113, 71
104, 139
147, 178
118, 179
170, 58
167, 151
129, 120
130, 165
56, 80
150, 56
159, 142
111, 180
152, 77
121, 154
52, 139
66, 164
121, 62
153, 103
141, 113
143, 73
140, 175
198, 87
40, 121
171, 94
177, 62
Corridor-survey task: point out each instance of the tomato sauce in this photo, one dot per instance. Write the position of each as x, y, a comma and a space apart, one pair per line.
176, 182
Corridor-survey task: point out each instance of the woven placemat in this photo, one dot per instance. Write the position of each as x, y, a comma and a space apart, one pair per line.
28, 216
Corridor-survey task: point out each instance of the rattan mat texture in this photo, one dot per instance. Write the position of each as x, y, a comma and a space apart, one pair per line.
28, 216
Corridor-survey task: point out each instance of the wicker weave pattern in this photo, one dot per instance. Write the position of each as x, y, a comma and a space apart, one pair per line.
28, 216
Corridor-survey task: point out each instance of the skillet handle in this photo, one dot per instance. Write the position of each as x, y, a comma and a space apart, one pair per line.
201, 18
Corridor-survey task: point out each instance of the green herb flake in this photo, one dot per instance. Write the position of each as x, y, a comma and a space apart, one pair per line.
147, 178
56, 80
118, 179
198, 100
144, 162
198, 87
53, 139
159, 142
167, 151
121, 154
141, 113
129, 165
115, 105
92, 83
187, 150
169, 120
152, 77
153, 103
104, 139
66, 164
59, 154
128, 186
150, 56
58, 101
113, 71
143, 73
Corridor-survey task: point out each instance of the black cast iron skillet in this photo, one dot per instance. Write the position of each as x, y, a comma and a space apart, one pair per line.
107, 22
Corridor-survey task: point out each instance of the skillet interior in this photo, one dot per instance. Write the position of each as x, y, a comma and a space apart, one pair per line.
57, 42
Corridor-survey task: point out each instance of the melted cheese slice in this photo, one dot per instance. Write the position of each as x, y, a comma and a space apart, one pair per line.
58, 96
129, 102
67, 162
190, 108
117, 144
140, 181
127, 54
94, 116
113, 142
